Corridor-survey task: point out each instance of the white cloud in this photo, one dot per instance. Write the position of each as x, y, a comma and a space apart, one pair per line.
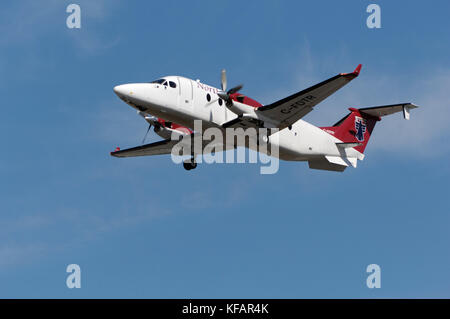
426, 133
93, 15
117, 122
25, 22
31, 236
12, 253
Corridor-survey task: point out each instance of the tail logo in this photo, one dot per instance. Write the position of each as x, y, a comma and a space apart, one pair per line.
360, 126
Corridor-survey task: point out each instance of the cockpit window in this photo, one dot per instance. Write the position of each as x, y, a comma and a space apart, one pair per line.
172, 84
160, 81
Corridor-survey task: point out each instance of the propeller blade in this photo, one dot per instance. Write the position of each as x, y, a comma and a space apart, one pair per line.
235, 89
145, 136
223, 80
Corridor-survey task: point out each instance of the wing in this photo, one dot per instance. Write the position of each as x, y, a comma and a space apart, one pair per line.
166, 146
292, 108
158, 148
244, 122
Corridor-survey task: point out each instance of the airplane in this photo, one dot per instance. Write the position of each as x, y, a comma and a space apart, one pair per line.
172, 105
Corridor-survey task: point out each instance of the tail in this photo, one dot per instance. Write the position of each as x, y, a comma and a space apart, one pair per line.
356, 127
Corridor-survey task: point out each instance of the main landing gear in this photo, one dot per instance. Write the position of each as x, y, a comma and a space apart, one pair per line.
190, 164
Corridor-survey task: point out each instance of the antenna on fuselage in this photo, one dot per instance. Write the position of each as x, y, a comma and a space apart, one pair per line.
145, 136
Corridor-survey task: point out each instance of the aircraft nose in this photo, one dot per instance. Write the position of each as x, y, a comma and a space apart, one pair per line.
121, 90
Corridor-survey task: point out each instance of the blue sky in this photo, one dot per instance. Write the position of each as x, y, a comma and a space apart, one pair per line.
145, 228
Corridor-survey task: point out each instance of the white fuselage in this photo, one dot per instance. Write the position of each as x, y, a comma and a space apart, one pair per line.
187, 100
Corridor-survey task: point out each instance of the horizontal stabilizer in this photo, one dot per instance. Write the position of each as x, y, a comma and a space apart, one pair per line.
345, 161
379, 111
324, 165
347, 145
332, 163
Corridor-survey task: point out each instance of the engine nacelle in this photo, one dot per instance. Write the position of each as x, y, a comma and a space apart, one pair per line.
165, 129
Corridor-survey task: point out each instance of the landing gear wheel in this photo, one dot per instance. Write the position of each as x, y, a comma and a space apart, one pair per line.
190, 165
187, 166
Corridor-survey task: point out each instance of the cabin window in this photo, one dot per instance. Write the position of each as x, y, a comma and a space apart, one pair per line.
172, 84
220, 102
208, 97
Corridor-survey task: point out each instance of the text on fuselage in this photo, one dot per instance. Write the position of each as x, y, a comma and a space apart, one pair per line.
298, 104
207, 88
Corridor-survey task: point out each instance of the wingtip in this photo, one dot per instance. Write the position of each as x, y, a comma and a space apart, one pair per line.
357, 70
113, 152
355, 73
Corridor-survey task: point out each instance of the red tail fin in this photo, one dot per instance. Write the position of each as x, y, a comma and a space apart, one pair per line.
356, 127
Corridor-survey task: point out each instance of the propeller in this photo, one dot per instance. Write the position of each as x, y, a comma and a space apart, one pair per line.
226, 95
